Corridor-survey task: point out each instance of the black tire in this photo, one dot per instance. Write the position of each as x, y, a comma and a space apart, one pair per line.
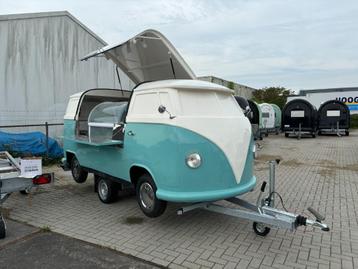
260, 229
319, 133
314, 135
25, 192
266, 135
286, 134
347, 133
148, 202
261, 138
2, 228
106, 189
78, 173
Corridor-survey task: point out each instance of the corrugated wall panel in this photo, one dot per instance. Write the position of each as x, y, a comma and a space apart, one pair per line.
40, 68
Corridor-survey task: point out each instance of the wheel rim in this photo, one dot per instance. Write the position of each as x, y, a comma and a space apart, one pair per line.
260, 227
146, 195
103, 189
76, 169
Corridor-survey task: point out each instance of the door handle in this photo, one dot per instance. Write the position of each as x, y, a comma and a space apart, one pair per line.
130, 133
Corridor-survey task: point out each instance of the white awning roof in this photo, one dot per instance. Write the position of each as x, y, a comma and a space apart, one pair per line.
149, 56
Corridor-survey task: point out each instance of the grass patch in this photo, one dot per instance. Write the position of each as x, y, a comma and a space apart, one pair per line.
45, 229
5, 212
351, 167
267, 157
133, 220
46, 161
327, 172
292, 163
354, 121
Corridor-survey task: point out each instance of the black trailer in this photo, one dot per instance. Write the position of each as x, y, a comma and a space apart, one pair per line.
255, 113
251, 111
256, 121
244, 104
333, 118
299, 117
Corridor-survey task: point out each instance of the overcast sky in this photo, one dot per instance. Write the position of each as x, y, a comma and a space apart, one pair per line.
295, 44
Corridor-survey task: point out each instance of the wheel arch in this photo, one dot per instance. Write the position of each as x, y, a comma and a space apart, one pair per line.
69, 156
137, 170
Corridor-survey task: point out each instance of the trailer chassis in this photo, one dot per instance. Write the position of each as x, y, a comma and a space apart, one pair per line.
334, 130
11, 181
299, 132
263, 214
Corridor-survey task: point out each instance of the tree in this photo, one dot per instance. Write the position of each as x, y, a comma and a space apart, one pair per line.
272, 95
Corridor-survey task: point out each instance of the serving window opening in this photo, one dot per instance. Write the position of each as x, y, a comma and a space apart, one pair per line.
101, 115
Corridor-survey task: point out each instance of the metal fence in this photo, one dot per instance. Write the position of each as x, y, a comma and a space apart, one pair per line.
46, 125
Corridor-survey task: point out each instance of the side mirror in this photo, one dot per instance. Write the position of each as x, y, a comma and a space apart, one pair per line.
162, 109
248, 113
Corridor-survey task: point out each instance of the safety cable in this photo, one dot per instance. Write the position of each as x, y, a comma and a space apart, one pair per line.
283, 205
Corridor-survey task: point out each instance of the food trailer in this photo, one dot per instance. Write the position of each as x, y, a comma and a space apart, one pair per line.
268, 118
333, 118
173, 138
278, 116
256, 119
299, 117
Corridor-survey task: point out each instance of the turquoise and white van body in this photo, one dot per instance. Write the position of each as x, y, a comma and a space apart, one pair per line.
174, 139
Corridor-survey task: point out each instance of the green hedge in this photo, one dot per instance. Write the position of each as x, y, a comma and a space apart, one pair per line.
354, 121
46, 161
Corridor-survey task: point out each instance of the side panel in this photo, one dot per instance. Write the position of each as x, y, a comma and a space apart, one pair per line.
163, 148
68, 131
107, 159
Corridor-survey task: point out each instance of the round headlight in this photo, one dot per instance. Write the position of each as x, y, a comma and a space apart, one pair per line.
193, 160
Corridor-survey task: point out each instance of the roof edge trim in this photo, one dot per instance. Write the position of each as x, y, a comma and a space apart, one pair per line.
24, 16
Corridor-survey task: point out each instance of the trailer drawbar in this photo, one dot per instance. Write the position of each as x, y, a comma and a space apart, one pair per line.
264, 214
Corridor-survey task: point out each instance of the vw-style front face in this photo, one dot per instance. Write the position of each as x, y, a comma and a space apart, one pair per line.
190, 136
198, 152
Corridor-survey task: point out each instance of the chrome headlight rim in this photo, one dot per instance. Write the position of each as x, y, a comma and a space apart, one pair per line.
193, 160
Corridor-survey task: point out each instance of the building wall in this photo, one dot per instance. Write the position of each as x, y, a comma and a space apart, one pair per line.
350, 98
240, 90
40, 68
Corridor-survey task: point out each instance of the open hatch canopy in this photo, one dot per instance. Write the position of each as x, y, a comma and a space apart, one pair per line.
149, 56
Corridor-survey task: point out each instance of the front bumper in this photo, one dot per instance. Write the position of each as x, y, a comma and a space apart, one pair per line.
65, 165
206, 196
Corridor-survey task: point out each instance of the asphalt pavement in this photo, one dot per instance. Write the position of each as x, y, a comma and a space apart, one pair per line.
29, 247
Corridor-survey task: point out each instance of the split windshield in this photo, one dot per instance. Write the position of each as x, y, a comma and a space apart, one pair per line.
208, 103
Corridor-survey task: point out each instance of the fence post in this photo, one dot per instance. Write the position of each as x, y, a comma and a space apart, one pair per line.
46, 127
